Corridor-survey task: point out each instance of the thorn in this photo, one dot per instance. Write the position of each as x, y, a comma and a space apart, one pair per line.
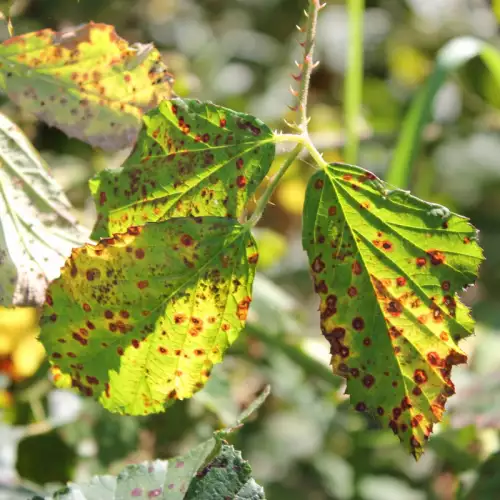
298, 77
294, 92
322, 6
292, 125
306, 13
299, 65
300, 29
302, 44
315, 65
294, 108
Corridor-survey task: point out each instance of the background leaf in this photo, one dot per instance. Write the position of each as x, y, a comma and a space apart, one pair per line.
139, 319
387, 267
191, 158
88, 82
37, 229
211, 470
451, 57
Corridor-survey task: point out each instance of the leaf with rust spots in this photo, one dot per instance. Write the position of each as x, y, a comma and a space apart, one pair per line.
191, 159
37, 229
88, 82
387, 267
211, 470
138, 320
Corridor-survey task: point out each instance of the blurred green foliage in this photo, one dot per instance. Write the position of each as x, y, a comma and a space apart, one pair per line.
305, 442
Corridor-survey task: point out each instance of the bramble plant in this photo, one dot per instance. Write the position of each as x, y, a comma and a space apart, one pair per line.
138, 318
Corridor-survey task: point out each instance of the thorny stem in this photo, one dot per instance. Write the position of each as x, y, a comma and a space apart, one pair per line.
302, 139
307, 66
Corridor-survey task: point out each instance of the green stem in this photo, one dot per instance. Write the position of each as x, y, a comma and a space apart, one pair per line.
265, 198
306, 143
354, 79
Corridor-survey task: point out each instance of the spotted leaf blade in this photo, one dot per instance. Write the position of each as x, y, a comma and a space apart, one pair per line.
209, 471
37, 229
88, 82
387, 267
139, 319
191, 159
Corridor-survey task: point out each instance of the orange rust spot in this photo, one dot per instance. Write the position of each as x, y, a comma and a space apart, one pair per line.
143, 284
243, 308
401, 281
421, 261
436, 257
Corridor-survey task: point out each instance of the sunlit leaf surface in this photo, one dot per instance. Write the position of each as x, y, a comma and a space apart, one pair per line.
387, 268
139, 319
88, 82
191, 159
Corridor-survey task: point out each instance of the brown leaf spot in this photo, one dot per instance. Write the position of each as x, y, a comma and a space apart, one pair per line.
420, 376
186, 240
361, 407
318, 265
358, 323
356, 268
368, 381
319, 184
352, 291
445, 285
139, 253
143, 284
401, 281
387, 246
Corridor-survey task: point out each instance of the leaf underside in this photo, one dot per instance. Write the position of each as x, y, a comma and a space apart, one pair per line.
37, 229
387, 267
191, 159
88, 82
139, 319
211, 470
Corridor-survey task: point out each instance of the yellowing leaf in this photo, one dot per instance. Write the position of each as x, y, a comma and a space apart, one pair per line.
387, 267
191, 159
139, 319
88, 82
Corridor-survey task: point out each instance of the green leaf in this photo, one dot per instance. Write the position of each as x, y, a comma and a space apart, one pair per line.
191, 159
139, 319
387, 267
450, 58
32, 463
226, 476
116, 436
88, 82
211, 470
487, 484
37, 229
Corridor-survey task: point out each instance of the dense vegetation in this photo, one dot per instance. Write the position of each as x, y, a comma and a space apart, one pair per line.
200, 212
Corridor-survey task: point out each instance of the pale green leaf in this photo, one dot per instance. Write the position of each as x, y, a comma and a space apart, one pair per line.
37, 229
